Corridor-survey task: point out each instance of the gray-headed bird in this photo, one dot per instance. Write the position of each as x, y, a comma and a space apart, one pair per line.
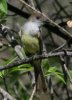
32, 43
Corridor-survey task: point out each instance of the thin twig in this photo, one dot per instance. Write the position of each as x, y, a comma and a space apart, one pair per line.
25, 89
65, 69
60, 47
6, 94
33, 93
65, 72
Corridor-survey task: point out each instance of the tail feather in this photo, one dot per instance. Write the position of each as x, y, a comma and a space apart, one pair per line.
41, 85
39, 77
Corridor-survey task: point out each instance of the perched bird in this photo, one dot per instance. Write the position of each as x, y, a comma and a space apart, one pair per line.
32, 43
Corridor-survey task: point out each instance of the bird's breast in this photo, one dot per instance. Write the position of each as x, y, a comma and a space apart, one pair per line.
31, 44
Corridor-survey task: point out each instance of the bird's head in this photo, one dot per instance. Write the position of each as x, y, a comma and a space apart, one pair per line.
31, 27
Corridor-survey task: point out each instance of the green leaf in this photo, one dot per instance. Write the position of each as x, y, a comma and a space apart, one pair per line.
70, 72
5, 72
2, 74
54, 71
25, 68
60, 76
45, 65
11, 60
3, 8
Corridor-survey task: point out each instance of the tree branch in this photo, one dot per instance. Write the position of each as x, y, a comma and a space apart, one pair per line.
33, 93
52, 27
36, 57
46, 18
18, 11
6, 94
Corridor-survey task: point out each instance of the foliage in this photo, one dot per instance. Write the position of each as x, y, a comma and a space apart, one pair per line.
13, 79
3, 8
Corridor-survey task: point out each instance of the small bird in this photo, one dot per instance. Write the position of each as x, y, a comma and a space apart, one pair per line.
32, 43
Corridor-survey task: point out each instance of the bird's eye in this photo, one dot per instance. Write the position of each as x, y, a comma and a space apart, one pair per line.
37, 17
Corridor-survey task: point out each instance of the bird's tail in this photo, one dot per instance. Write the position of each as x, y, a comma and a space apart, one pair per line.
39, 77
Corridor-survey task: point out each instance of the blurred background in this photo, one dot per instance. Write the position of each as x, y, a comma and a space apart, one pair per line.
16, 81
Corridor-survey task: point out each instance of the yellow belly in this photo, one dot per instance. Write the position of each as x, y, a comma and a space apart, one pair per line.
31, 44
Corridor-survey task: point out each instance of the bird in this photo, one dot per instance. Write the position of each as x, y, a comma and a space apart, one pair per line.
32, 43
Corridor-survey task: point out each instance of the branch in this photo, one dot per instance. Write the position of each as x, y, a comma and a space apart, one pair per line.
33, 93
44, 17
36, 57
58, 31
65, 73
6, 94
18, 11
65, 70
59, 48
53, 28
